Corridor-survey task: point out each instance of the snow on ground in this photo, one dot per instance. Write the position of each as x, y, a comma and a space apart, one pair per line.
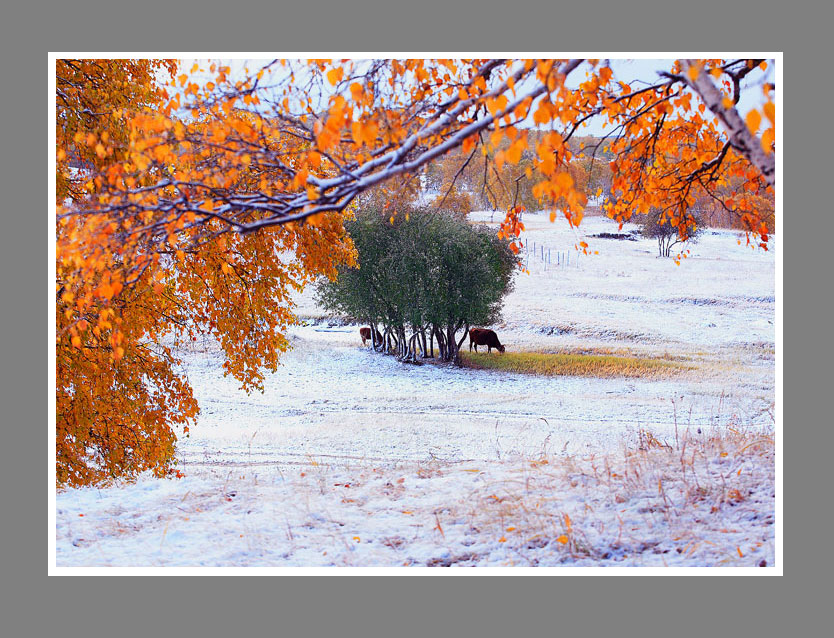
351, 458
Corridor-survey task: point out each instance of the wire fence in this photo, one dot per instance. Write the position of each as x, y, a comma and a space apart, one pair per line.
548, 257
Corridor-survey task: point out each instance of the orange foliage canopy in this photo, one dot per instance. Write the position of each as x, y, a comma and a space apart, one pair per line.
131, 290
196, 208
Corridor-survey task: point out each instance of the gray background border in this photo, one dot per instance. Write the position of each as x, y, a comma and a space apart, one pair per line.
33, 604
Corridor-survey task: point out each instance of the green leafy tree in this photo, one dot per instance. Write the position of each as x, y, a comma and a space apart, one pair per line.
423, 276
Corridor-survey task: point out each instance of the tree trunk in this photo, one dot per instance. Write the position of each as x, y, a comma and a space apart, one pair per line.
460, 343
378, 345
465, 334
413, 344
441, 341
390, 340
403, 349
745, 142
451, 344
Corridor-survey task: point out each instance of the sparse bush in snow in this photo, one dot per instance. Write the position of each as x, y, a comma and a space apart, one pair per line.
659, 226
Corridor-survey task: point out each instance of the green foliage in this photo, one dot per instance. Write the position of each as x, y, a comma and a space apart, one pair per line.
421, 272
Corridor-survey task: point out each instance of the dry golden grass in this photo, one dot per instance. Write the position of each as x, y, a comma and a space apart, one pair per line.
575, 364
698, 499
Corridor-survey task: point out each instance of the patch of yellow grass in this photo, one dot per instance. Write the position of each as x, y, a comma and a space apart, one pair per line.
586, 365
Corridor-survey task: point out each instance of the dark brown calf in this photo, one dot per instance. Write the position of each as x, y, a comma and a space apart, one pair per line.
484, 337
365, 333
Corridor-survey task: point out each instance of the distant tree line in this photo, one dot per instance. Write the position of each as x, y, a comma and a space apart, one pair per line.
423, 276
469, 181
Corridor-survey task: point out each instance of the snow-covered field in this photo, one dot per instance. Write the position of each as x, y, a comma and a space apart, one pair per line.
351, 458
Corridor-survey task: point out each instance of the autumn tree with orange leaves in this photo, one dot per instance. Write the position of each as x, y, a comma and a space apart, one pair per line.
125, 302
197, 207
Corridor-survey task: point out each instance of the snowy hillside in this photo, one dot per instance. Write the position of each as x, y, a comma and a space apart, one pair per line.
351, 458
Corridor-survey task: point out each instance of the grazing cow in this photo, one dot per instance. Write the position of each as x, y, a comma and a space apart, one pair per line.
365, 333
484, 337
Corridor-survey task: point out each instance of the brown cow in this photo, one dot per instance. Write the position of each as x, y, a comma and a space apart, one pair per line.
484, 337
365, 333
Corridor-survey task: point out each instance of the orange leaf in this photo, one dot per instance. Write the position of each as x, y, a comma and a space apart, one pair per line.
542, 114
315, 220
770, 112
564, 181
767, 140
334, 76
753, 119
499, 160
497, 104
562, 539
369, 132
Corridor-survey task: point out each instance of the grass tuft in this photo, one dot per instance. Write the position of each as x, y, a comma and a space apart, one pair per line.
586, 365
